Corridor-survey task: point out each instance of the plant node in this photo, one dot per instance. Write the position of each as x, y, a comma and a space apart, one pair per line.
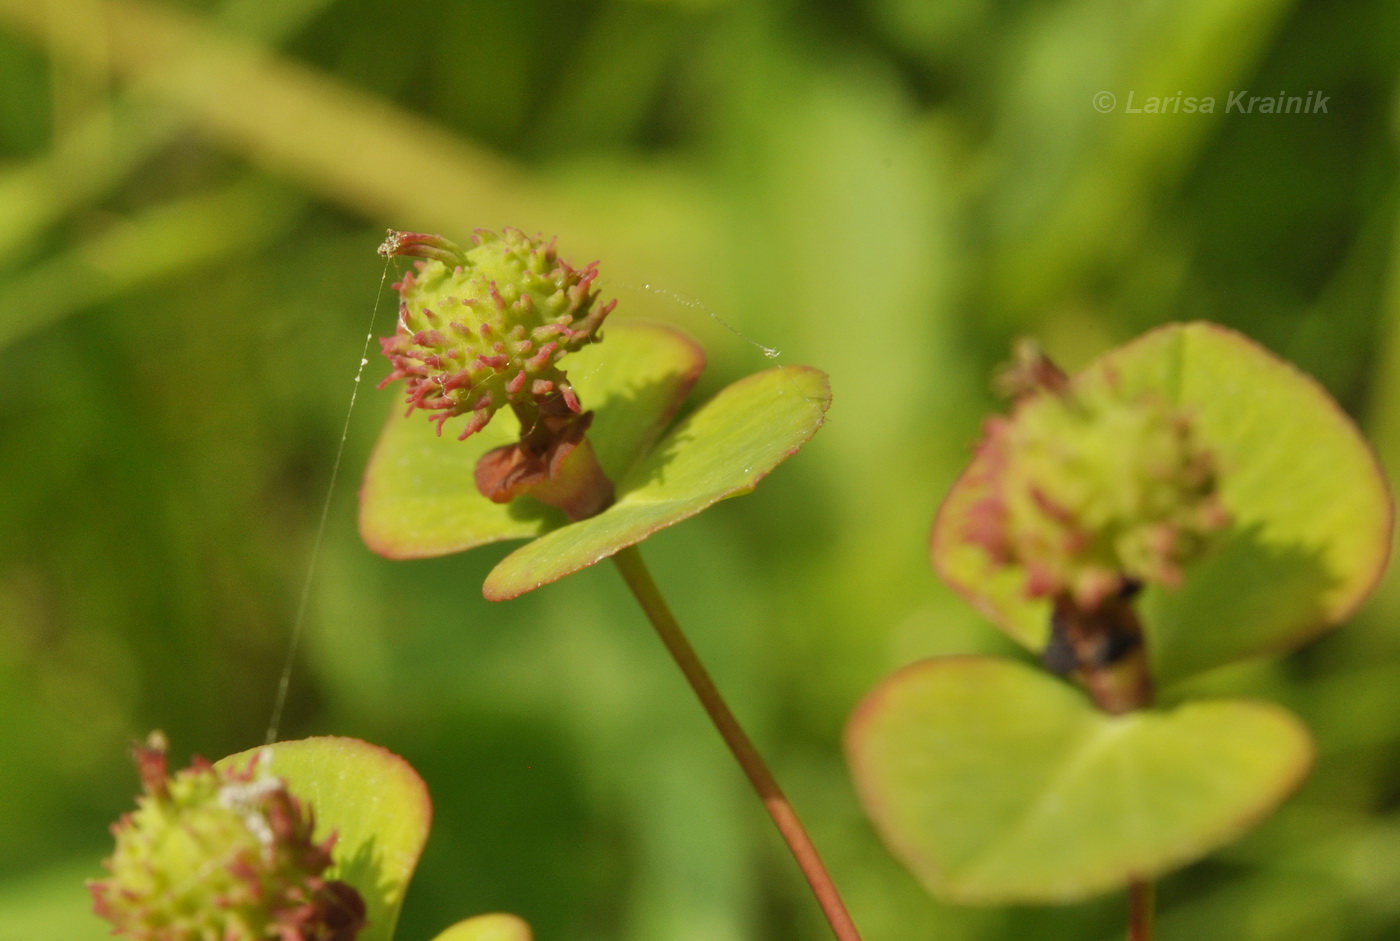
1094, 493
486, 328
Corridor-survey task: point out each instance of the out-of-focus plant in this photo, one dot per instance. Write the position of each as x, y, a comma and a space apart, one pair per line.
1186, 502
482, 335
311, 840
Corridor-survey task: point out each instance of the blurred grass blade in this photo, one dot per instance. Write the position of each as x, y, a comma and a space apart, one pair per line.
162, 241
94, 151
350, 147
1075, 184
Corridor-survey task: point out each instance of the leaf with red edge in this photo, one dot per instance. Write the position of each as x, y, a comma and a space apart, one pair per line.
1311, 512
722, 450
418, 498
996, 783
373, 801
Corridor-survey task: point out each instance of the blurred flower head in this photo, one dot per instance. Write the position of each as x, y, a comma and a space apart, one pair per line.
1088, 489
221, 854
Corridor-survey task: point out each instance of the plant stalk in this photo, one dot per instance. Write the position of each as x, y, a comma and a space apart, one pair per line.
634, 573
1107, 642
1140, 911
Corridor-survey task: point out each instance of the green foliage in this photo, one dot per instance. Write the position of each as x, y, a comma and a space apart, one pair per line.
374, 803
487, 928
418, 499
722, 450
1310, 515
190, 195
996, 783
226, 852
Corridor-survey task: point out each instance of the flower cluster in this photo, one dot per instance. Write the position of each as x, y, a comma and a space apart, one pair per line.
487, 327
1091, 490
221, 854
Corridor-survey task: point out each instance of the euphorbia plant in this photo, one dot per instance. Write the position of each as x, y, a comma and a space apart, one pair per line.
1185, 502
311, 840
574, 454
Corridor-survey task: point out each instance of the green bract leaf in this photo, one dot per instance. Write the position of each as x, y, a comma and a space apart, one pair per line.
724, 449
996, 783
373, 801
496, 927
419, 498
1310, 512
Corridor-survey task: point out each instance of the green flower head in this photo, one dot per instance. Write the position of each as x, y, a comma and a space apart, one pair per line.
221, 855
487, 327
1089, 490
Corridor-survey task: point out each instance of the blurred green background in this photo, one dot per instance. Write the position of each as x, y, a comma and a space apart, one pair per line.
190, 197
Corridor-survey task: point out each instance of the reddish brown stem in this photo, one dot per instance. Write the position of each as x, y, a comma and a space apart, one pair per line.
1109, 651
1140, 911
1108, 645
635, 574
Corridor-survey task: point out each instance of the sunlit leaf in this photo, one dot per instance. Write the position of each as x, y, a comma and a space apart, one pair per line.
419, 498
496, 927
997, 783
724, 449
1311, 513
373, 801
